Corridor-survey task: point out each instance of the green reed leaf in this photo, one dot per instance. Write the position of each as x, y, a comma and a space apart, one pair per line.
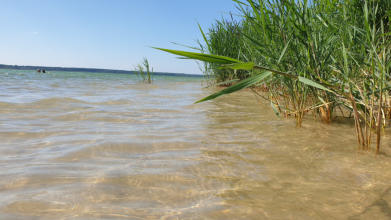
204, 36
313, 84
283, 52
241, 85
240, 3
239, 66
202, 56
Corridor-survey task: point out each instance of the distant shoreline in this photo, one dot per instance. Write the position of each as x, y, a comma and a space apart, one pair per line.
89, 70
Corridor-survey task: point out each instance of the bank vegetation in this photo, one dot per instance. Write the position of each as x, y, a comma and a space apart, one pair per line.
325, 57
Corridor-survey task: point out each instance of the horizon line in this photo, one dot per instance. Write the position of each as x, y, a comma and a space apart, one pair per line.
34, 67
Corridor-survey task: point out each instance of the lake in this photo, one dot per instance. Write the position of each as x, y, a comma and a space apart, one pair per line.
107, 146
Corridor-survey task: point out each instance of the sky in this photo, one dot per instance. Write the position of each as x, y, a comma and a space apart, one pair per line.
113, 34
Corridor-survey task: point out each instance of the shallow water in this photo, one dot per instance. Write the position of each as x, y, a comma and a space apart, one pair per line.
104, 146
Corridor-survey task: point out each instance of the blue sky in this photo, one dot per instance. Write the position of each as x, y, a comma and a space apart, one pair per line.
112, 34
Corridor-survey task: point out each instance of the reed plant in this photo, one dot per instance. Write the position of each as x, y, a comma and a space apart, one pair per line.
144, 71
313, 56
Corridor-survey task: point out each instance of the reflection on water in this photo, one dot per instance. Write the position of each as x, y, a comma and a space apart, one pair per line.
101, 146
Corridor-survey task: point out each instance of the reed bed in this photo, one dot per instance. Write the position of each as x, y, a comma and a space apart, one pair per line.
323, 57
225, 38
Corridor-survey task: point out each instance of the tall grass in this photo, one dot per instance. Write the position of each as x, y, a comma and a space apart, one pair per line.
224, 38
144, 71
326, 57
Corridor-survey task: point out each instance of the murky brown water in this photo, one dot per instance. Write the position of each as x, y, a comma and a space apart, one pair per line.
97, 146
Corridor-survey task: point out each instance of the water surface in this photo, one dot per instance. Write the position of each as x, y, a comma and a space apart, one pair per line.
105, 146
